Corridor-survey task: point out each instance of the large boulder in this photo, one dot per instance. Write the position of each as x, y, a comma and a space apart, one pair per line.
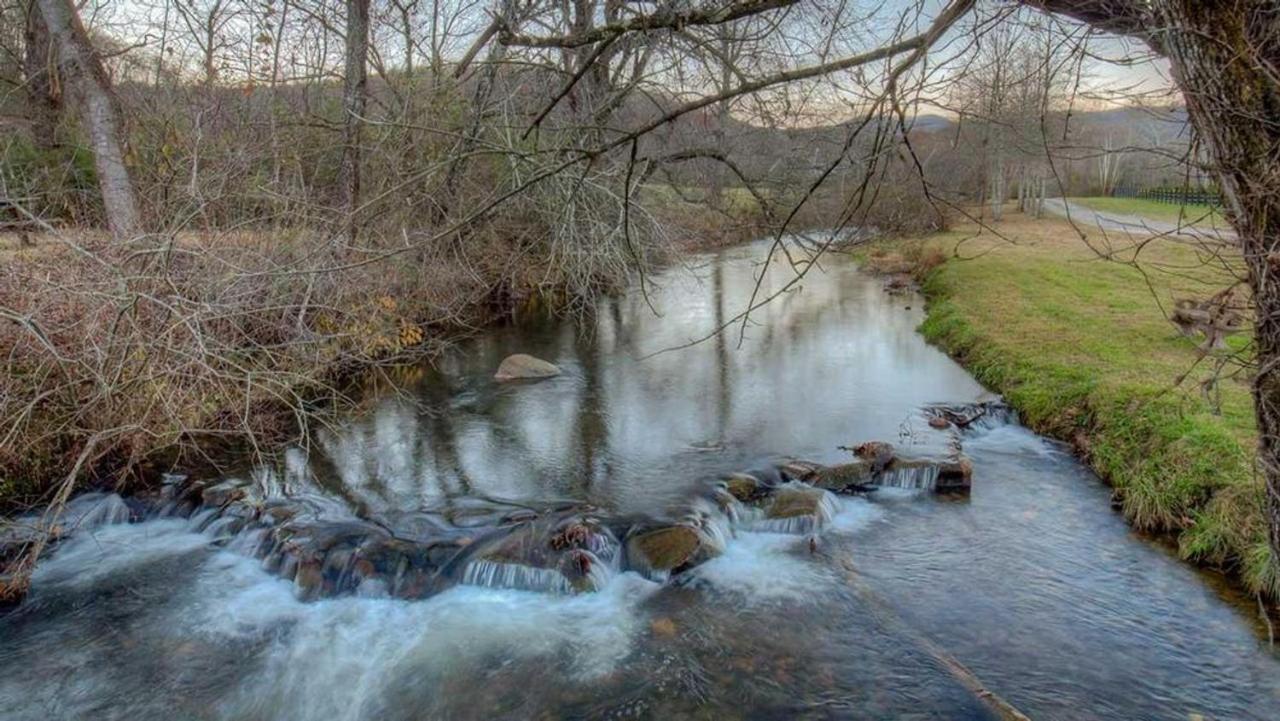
524, 367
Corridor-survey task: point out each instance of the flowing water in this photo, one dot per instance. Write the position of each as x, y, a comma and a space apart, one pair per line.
1031, 582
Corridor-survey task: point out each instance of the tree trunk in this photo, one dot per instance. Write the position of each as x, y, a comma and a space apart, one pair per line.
353, 102
1022, 189
718, 171
997, 188
1225, 59
44, 98
79, 63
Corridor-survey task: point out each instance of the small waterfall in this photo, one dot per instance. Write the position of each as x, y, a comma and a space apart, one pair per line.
171, 509
796, 526
604, 547
249, 542
826, 509
92, 510
994, 415
716, 532
714, 526
224, 527
201, 520
492, 574
916, 477
970, 417
601, 574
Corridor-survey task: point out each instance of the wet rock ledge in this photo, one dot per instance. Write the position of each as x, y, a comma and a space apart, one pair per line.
559, 547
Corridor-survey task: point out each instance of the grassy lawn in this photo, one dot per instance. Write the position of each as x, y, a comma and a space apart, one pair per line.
1190, 214
1081, 347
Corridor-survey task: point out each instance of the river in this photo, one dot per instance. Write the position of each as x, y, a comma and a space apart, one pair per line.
1030, 582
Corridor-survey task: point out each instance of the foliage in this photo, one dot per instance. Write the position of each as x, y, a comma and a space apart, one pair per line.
57, 183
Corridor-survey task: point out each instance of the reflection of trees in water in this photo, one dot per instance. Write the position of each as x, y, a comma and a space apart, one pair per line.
724, 393
804, 357
439, 443
330, 445
591, 419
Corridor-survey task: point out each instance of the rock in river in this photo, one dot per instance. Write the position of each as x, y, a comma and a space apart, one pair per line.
665, 548
795, 500
797, 508
524, 367
745, 487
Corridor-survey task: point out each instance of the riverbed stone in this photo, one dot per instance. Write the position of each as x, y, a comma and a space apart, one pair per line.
521, 366
664, 548
878, 453
955, 475
852, 477
663, 627
796, 470
223, 493
744, 487
964, 415
796, 500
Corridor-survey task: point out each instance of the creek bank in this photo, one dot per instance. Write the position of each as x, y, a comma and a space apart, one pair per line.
1174, 468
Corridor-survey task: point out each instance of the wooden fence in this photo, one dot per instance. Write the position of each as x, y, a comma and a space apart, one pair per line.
1174, 196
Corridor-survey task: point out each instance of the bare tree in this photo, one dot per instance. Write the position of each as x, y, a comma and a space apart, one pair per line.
43, 95
1110, 166
355, 80
79, 62
206, 25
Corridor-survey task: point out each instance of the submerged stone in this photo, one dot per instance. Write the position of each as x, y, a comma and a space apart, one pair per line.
663, 627
524, 367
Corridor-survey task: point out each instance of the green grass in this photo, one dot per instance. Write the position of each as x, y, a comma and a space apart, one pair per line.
1081, 348
1189, 214
737, 200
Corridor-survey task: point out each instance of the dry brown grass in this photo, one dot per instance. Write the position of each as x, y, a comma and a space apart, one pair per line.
151, 345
